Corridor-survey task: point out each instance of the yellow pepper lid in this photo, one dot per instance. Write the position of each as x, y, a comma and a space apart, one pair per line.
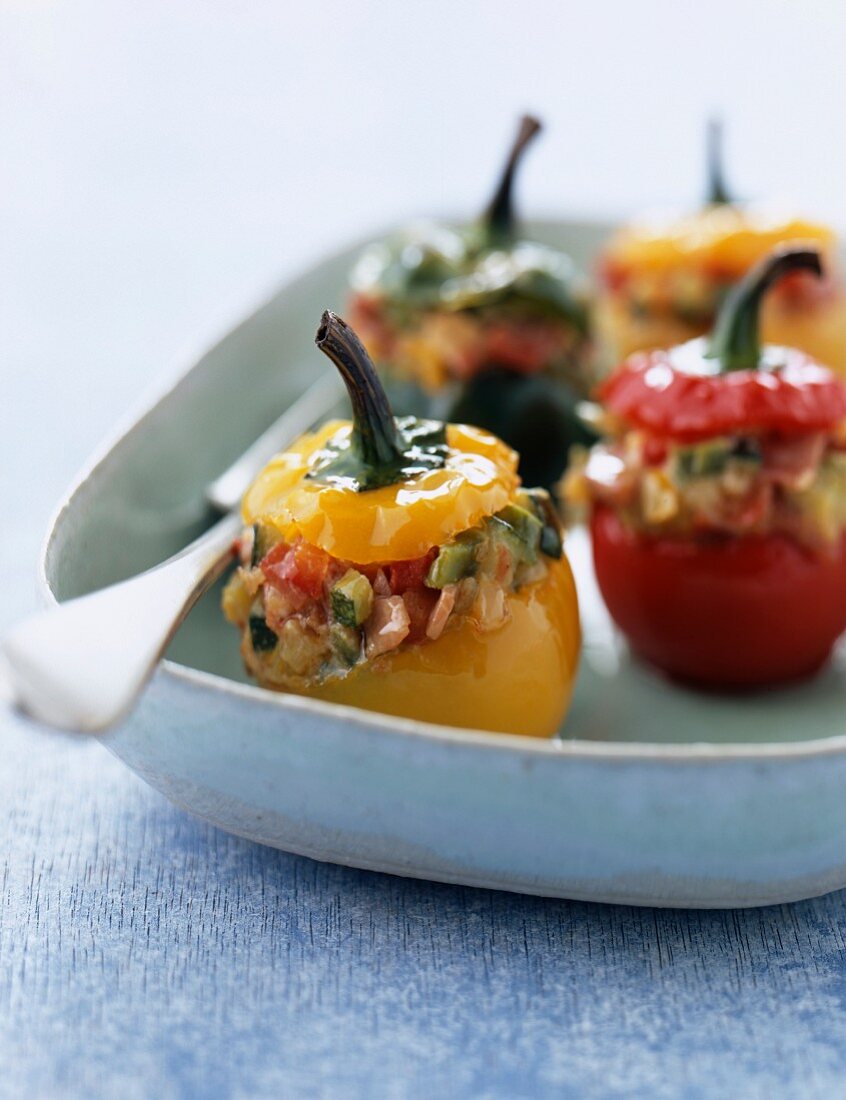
396, 522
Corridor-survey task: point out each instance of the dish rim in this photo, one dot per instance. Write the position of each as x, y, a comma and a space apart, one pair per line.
579, 748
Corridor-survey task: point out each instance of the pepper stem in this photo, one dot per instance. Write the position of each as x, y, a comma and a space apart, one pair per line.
735, 341
498, 219
374, 434
717, 192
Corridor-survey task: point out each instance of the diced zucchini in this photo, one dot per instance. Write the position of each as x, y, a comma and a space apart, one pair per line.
639, 308
351, 599
521, 528
346, 641
264, 537
455, 561
502, 534
541, 504
747, 450
702, 460
710, 459
835, 462
551, 542
261, 636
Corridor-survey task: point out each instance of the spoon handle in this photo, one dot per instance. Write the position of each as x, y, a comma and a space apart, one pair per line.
82, 664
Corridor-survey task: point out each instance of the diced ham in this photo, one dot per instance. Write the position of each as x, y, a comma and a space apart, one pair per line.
441, 613
792, 461
714, 510
280, 603
504, 566
610, 480
490, 609
380, 584
387, 627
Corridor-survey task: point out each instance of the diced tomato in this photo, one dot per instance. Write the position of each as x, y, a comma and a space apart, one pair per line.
717, 271
275, 555
365, 306
272, 565
367, 317
749, 511
303, 567
276, 566
403, 575
654, 451
277, 574
419, 603
525, 348
612, 274
464, 363
311, 565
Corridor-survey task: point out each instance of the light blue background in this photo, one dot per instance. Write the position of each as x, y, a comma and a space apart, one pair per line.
161, 166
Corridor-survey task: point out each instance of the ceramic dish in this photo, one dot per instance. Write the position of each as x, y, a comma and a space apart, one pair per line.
651, 795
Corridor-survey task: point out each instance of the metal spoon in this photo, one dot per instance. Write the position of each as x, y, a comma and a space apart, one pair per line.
58, 668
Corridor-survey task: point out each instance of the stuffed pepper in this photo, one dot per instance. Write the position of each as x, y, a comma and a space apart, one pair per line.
397, 564
482, 325
718, 501
661, 280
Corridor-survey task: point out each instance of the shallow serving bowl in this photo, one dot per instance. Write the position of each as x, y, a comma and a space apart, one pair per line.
652, 795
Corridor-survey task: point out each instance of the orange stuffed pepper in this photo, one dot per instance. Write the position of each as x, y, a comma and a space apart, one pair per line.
661, 280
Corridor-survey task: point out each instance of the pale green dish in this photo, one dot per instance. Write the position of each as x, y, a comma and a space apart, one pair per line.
652, 795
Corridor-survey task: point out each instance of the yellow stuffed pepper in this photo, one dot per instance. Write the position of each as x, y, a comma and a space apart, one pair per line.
398, 565
662, 280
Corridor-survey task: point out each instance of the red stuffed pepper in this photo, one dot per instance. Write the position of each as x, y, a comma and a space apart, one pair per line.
718, 501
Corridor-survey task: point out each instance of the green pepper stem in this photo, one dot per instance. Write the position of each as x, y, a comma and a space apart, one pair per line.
735, 341
498, 219
374, 432
717, 192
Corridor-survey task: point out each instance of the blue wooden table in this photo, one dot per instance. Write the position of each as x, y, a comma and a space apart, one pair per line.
163, 165
144, 953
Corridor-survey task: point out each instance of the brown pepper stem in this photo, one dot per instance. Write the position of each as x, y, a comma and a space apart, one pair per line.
717, 192
498, 218
735, 341
374, 429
